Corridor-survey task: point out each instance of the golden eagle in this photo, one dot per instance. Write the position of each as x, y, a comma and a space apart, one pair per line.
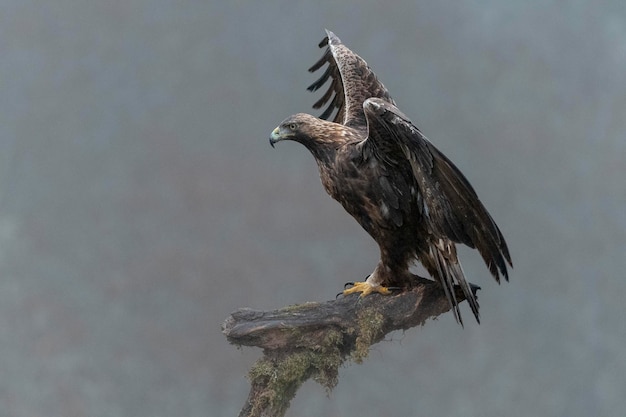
402, 190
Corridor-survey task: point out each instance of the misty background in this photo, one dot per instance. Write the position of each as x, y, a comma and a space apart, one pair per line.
141, 203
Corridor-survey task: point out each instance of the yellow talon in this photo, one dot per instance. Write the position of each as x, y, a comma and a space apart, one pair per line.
365, 288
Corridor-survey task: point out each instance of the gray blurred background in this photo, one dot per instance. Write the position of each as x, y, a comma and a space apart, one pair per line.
140, 202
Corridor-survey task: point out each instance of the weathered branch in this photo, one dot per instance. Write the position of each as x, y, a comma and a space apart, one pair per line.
312, 340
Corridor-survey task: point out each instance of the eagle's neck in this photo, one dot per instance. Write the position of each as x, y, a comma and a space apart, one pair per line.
327, 140
324, 154
331, 163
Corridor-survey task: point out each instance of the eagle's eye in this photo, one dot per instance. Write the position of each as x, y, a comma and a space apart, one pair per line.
293, 126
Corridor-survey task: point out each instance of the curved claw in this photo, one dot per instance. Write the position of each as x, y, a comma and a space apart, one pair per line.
365, 288
348, 283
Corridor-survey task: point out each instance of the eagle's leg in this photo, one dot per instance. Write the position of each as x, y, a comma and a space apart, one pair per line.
370, 285
366, 289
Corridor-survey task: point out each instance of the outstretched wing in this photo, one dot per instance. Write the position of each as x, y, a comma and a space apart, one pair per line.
352, 82
450, 205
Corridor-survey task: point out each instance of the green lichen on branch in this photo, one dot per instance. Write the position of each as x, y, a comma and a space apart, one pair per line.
370, 329
282, 373
313, 340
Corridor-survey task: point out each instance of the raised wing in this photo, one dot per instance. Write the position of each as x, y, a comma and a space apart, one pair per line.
352, 82
450, 205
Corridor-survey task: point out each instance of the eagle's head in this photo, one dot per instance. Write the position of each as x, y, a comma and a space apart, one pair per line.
300, 127
319, 136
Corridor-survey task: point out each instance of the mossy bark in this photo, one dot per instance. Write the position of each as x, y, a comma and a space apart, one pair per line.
312, 340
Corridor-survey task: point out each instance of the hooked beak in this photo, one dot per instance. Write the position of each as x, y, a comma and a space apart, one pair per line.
279, 134
275, 136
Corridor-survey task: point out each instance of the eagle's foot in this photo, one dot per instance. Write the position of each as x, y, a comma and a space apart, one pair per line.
365, 288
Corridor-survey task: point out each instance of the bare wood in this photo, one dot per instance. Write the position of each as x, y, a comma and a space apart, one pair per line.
312, 340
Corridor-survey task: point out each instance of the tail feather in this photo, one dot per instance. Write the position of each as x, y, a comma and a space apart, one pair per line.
449, 272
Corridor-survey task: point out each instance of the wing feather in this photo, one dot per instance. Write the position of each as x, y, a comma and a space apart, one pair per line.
454, 210
352, 82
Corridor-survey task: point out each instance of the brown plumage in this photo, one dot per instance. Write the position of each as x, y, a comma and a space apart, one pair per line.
403, 191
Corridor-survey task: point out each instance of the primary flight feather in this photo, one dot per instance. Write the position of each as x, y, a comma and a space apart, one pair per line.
412, 200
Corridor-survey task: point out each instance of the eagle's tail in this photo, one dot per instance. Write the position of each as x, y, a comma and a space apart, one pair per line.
449, 272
